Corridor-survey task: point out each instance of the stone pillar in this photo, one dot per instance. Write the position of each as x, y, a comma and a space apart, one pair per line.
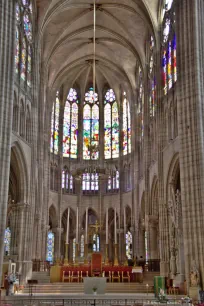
153, 238
58, 233
7, 45
191, 128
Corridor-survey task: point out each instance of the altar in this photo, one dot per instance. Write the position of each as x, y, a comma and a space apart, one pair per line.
97, 284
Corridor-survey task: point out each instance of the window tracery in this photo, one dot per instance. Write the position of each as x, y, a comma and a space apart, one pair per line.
91, 126
67, 181
90, 183
152, 78
7, 241
111, 126
169, 65
70, 127
126, 126
24, 37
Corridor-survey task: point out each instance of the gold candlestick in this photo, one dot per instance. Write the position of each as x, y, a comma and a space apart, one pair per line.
106, 258
86, 254
66, 259
116, 255
76, 255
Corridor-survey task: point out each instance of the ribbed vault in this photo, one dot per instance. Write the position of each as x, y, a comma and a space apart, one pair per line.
121, 32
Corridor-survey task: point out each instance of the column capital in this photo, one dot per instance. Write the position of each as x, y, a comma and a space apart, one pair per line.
57, 230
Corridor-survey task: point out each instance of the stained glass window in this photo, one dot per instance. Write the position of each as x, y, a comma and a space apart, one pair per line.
90, 182
152, 79
56, 124
74, 250
113, 183
126, 126
54, 141
169, 65
70, 128
128, 245
24, 41
111, 126
17, 50
7, 241
50, 246
141, 105
23, 60
91, 126
67, 181
82, 246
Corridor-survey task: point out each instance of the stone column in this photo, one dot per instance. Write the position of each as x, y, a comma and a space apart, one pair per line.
153, 250
58, 233
191, 128
7, 45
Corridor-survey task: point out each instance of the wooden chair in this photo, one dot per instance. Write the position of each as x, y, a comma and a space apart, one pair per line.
125, 276
75, 276
83, 274
66, 276
115, 276
107, 274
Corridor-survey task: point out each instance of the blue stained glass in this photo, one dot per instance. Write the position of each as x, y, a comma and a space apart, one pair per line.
50, 247
7, 241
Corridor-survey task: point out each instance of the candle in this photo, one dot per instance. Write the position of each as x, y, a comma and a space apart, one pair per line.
115, 227
124, 222
67, 237
86, 241
77, 226
106, 225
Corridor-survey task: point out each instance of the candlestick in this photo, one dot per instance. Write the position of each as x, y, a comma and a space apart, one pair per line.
77, 226
107, 226
115, 219
86, 241
67, 236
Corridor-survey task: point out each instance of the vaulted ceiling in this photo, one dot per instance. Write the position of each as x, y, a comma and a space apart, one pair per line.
122, 26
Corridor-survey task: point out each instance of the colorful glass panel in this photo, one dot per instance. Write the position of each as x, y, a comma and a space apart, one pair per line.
87, 131
117, 180
52, 128
50, 247
95, 132
23, 60
74, 130
27, 26
129, 127
90, 97
7, 241
164, 72
107, 123
63, 179
146, 247
174, 59
169, 66
29, 67
128, 245
56, 124
17, 55
17, 13
66, 130
115, 131
125, 127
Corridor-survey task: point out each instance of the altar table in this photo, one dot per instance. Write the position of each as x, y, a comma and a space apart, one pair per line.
94, 282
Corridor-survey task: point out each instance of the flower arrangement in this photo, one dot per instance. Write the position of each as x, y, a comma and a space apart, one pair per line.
94, 289
186, 299
162, 296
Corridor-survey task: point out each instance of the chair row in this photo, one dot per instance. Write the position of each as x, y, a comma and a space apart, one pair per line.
73, 276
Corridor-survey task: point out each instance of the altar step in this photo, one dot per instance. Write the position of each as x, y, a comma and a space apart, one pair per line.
70, 288
41, 277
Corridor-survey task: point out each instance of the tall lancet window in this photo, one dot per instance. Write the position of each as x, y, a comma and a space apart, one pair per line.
91, 126
54, 141
126, 126
7, 241
111, 126
152, 78
169, 65
24, 39
70, 128
141, 104
50, 246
